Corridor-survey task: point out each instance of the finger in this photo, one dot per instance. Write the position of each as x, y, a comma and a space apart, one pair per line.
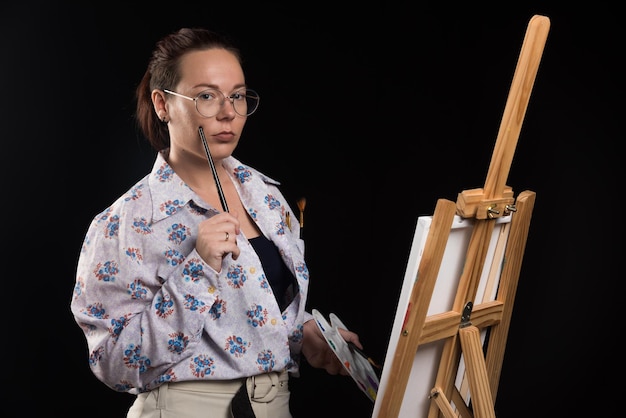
235, 251
350, 337
227, 241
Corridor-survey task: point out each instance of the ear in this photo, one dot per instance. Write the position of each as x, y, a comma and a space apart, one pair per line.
158, 101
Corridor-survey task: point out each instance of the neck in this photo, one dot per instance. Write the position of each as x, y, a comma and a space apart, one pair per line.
195, 171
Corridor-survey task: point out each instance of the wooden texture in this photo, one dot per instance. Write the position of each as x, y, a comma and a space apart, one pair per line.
413, 327
443, 403
494, 200
482, 401
515, 109
494, 192
509, 278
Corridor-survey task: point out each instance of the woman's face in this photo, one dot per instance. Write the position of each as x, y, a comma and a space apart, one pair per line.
215, 69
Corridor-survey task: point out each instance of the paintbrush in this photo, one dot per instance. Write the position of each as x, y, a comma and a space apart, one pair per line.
301, 205
371, 361
220, 192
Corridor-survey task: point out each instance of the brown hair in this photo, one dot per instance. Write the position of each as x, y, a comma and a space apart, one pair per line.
163, 73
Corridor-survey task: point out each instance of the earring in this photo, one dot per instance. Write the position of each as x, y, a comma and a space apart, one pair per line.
164, 119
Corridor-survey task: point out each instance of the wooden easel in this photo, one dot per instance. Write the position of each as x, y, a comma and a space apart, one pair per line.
460, 328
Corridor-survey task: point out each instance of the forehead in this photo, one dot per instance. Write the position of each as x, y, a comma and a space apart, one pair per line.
215, 66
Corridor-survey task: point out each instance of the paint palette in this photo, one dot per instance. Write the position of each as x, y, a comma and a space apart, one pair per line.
355, 364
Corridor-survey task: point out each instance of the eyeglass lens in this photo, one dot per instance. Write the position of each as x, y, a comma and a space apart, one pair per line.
209, 102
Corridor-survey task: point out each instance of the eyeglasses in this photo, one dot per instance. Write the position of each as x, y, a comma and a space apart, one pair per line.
210, 101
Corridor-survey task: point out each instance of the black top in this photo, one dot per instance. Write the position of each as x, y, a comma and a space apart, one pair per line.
276, 272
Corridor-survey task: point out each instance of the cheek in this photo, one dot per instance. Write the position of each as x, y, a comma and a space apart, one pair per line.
186, 113
186, 122
182, 111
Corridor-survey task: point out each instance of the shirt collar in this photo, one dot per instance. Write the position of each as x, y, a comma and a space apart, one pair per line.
170, 193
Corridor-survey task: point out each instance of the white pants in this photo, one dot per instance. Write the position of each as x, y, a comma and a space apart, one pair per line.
269, 395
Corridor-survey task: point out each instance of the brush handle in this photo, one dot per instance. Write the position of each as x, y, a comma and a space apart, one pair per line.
220, 192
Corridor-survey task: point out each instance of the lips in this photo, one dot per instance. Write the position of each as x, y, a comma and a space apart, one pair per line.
224, 136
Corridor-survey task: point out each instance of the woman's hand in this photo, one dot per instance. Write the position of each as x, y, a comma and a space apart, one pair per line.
317, 351
217, 236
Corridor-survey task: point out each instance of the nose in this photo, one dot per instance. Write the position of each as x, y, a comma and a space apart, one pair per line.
228, 108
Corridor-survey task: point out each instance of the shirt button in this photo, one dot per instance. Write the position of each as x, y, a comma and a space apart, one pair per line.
211, 289
273, 321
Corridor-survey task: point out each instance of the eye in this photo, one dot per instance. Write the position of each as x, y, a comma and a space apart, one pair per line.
207, 96
238, 95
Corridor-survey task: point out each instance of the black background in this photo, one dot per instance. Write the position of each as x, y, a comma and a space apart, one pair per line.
371, 112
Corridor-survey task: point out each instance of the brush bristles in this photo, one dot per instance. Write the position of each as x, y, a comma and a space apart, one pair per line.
302, 204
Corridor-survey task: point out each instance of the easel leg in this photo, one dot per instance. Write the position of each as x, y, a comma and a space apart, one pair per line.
482, 402
442, 403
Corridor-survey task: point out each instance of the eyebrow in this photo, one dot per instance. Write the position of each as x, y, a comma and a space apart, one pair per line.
213, 86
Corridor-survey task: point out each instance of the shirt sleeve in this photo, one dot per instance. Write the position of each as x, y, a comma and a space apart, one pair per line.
123, 294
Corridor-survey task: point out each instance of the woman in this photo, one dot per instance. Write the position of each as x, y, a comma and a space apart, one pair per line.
191, 288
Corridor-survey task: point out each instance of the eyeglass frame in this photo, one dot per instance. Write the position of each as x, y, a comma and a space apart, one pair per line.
229, 97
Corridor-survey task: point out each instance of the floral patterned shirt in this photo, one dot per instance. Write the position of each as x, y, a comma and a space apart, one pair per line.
153, 311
